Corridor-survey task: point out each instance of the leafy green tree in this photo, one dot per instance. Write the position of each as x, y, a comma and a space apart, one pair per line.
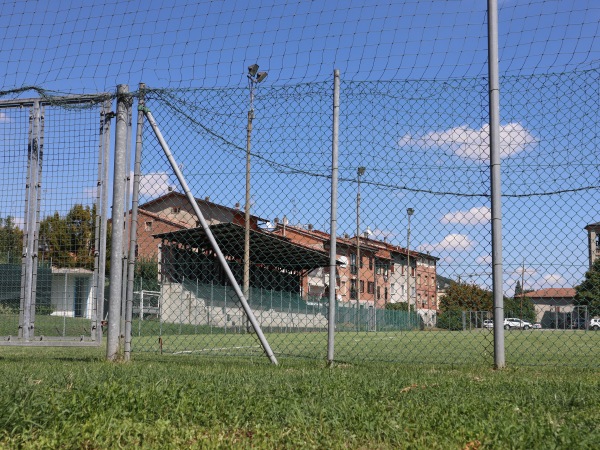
521, 307
70, 240
588, 292
466, 297
146, 274
11, 241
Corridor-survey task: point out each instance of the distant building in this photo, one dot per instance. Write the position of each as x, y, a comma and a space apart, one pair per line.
173, 212
380, 277
593, 231
554, 307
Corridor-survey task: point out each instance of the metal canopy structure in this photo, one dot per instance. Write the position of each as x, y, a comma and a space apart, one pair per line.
265, 248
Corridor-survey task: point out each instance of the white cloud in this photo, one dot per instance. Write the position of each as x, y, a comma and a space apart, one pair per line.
4, 118
154, 184
473, 216
554, 280
473, 144
487, 260
452, 242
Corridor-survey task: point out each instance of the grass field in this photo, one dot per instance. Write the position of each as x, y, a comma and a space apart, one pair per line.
550, 348
72, 398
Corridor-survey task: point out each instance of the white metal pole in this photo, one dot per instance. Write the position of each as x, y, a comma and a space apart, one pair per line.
494, 105
333, 220
118, 210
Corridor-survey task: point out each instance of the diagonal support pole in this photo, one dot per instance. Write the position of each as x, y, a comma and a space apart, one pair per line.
211, 238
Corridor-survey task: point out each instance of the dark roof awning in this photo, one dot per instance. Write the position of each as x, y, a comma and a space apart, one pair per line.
265, 248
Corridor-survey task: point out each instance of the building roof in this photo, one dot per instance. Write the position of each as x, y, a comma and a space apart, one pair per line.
550, 293
206, 201
155, 216
265, 248
372, 245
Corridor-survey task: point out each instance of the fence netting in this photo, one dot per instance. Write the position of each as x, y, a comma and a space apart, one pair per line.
414, 186
413, 215
53, 222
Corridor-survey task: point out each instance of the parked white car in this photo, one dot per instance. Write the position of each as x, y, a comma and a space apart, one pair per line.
488, 324
511, 323
594, 324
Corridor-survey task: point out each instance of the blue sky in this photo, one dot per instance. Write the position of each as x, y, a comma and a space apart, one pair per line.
414, 110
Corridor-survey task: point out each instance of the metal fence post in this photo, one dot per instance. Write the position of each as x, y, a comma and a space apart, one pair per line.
333, 219
134, 219
494, 105
118, 210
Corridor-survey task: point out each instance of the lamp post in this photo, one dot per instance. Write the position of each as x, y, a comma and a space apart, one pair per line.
359, 172
409, 212
254, 77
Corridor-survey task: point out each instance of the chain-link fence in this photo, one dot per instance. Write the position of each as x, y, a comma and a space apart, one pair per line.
306, 215
413, 255
53, 223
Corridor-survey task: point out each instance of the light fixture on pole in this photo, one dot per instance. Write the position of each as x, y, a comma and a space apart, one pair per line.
409, 212
359, 172
254, 77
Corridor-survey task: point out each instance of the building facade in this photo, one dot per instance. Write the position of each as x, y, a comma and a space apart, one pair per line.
371, 273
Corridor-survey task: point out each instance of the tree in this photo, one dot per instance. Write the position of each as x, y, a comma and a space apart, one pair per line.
588, 292
521, 307
11, 241
466, 297
518, 289
70, 240
400, 306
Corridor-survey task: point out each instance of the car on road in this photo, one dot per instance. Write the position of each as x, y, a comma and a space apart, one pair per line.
537, 326
512, 323
594, 324
488, 324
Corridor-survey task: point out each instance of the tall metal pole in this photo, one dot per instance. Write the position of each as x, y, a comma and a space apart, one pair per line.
131, 260
254, 77
494, 102
333, 220
248, 196
409, 212
359, 172
118, 210
105, 138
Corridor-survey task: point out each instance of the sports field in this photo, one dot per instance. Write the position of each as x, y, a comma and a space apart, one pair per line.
523, 348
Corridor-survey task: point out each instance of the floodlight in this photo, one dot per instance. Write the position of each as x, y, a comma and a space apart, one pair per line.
410, 211
252, 69
361, 171
261, 76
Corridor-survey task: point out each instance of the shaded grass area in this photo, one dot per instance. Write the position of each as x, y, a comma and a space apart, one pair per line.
71, 398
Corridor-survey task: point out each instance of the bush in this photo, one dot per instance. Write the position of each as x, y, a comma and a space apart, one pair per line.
450, 320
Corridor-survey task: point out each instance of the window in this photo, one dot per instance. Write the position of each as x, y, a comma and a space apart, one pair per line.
392, 289
362, 286
361, 261
148, 225
370, 287
378, 292
370, 263
353, 289
353, 268
175, 209
385, 294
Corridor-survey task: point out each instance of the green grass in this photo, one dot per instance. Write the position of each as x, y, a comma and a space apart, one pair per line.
72, 398
551, 348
